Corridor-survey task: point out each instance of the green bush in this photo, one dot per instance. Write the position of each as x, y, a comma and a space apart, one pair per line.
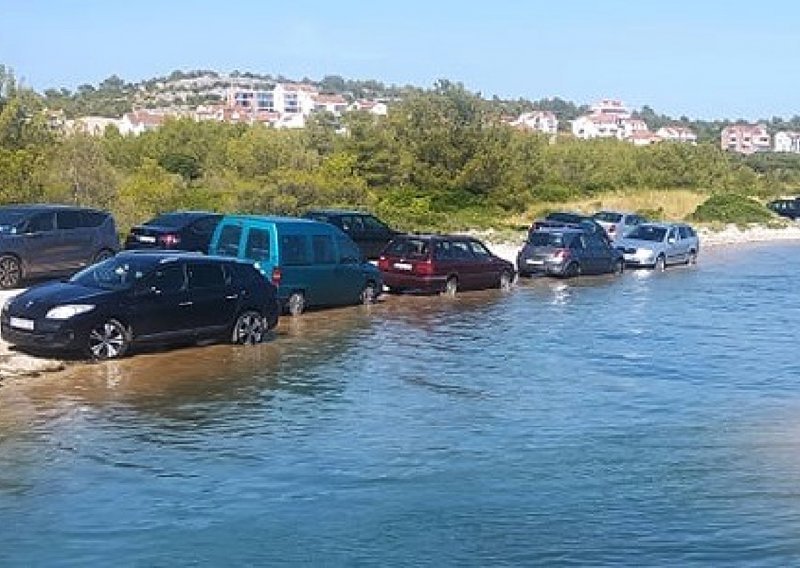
731, 208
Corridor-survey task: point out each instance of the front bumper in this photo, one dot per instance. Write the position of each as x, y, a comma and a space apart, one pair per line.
46, 336
639, 261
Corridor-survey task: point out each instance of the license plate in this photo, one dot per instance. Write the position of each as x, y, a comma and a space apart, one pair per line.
145, 239
21, 323
402, 266
536, 262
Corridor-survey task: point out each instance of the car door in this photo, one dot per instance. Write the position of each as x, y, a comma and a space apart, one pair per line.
465, 265
487, 271
160, 306
674, 255
41, 243
376, 236
75, 238
602, 255
350, 269
210, 301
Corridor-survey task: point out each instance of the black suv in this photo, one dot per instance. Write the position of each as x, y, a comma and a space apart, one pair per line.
138, 297
49, 240
368, 232
786, 207
181, 230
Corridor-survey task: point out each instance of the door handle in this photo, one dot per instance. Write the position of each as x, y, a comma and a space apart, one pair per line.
232, 296
185, 304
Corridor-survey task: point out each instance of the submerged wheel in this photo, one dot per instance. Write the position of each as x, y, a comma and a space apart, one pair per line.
103, 254
572, 270
296, 303
451, 286
108, 340
506, 280
369, 294
10, 271
249, 328
661, 264
692, 258
619, 267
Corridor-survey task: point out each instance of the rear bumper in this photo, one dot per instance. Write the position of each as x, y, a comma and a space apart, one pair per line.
412, 282
546, 268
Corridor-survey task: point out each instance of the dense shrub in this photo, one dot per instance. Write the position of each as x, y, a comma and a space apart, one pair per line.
731, 208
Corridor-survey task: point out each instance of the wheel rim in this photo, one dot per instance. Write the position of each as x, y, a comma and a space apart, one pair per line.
451, 287
368, 294
620, 267
249, 329
574, 270
296, 304
660, 264
106, 341
505, 281
9, 272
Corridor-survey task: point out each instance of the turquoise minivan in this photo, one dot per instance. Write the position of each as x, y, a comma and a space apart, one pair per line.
313, 264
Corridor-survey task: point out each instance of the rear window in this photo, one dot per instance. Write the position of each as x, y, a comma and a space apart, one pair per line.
173, 220
608, 217
409, 248
547, 239
257, 247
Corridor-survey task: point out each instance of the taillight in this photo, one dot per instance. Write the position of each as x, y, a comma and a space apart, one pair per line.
561, 254
383, 263
424, 268
276, 276
169, 240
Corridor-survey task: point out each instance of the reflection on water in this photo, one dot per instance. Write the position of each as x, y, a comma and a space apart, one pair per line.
648, 419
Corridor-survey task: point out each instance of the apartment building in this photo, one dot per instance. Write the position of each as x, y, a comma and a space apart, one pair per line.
537, 121
745, 138
677, 134
787, 141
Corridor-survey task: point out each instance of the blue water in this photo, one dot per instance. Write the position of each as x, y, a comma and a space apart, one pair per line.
646, 420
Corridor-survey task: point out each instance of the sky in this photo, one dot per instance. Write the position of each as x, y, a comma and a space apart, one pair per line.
702, 58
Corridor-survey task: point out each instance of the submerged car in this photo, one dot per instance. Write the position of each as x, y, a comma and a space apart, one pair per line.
52, 240
140, 297
567, 252
658, 245
181, 230
442, 263
618, 224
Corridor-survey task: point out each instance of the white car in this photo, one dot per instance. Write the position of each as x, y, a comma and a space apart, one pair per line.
658, 245
618, 224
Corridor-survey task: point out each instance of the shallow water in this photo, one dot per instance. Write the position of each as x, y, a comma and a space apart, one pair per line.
651, 419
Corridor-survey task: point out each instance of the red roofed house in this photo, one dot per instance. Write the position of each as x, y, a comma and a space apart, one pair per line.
745, 138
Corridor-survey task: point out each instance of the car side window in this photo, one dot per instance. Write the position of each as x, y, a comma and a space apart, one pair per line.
40, 223
348, 250
66, 220
92, 218
578, 242
461, 250
228, 242
294, 250
673, 234
257, 247
204, 226
205, 275
479, 250
324, 252
683, 232
372, 225
168, 279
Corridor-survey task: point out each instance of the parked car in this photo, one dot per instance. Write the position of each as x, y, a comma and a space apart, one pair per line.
442, 263
313, 264
786, 207
658, 245
568, 251
367, 231
562, 219
140, 297
181, 230
51, 240
618, 224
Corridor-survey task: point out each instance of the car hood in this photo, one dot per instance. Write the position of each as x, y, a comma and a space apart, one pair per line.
36, 301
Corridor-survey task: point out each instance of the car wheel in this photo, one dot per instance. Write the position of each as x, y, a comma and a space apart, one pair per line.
249, 328
692, 258
102, 254
619, 267
108, 340
369, 294
661, 264
451, 286
296, 303
506, 280
10, 272
572, 270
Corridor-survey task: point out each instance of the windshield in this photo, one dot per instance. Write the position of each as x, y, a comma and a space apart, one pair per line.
648, 233
608, 217
114, 274
10, 221
546, 239
168, 220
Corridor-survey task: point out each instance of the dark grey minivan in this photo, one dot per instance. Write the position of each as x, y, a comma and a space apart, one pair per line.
50, 240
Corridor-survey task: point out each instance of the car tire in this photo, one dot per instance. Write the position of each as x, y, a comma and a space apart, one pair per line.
661, 264
451, 287
572, 270
10, 271
101, 255
506, 280
109, 339
369, 294
619, 267
692, 258
296, 304
249, 328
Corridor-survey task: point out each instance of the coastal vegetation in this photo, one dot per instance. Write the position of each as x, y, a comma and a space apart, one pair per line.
442, 159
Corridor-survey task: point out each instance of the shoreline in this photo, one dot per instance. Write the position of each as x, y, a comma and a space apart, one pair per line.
18, 365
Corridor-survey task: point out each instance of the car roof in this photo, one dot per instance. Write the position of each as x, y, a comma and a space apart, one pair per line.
189, 214
158, 255
46, 207
432, 236
268, 219
564, 229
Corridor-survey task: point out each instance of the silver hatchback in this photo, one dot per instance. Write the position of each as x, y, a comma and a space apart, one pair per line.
658, 245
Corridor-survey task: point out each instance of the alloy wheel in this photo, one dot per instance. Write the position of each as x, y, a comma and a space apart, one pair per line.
108, 340
249, 329
10, 272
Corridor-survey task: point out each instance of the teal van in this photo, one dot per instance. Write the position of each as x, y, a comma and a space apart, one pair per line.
313, 264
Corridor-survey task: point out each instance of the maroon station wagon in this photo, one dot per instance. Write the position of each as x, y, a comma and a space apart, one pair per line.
442, 263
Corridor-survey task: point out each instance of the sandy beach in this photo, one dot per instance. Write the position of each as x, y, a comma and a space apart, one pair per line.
14, 364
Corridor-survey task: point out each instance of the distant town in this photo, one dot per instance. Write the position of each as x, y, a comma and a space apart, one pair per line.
289, 105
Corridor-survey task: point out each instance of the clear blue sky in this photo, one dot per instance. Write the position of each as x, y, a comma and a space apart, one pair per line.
702, 58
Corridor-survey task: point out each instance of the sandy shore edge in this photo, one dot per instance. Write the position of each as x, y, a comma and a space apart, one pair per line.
14, 364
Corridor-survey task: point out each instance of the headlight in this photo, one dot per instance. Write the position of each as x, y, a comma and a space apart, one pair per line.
68, 311
644, 253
